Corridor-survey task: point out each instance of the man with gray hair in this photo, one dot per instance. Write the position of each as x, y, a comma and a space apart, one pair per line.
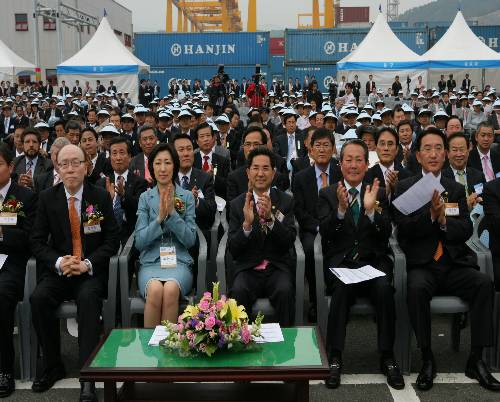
51, 178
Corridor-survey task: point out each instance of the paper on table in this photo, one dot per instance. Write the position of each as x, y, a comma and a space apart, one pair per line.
159, 334
349, 276
269, 333
3, 258
418, 195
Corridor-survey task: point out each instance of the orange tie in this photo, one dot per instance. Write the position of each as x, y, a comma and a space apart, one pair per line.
74, 221
439, 251
147, 175
324, 180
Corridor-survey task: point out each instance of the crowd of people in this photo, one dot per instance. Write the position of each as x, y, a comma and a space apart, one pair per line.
83, 170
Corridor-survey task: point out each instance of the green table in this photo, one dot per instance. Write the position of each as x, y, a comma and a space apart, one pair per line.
151, 373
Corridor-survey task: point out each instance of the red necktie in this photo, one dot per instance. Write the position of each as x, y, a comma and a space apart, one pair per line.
206, 166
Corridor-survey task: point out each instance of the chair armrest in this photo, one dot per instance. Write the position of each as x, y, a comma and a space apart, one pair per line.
110, 306
202, 264
483, 255
221, 264
299, 281
400, 274
30, 279
318, 268
123, 263
223, 219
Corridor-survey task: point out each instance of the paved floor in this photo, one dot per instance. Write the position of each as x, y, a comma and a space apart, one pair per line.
361, 381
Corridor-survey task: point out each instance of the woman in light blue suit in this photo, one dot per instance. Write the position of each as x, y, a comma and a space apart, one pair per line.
165, 218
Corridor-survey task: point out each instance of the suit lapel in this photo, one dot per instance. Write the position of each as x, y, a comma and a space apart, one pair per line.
62, 210
154, 199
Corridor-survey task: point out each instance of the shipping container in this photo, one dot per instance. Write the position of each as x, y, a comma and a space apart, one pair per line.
277, 46
331, 45
489, 34
204, 73
323, 73
352, 14
434, 24
277, 67
202, 49
398, 24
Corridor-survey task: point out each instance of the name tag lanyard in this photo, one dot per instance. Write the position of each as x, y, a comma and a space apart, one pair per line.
168, 254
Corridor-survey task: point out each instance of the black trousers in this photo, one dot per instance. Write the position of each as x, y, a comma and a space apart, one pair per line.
381, 294
11, 291
307, 240
467, 283
276, 284
88, 292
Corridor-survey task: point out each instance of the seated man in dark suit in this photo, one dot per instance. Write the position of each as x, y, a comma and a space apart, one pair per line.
237, 181
201, 184
482, 157
147, 141
32, 163
101, 165
406, 149
72, 247
207, 160
491, 204
307, 160
388, 171
13, 242
306, 186
355, 227
439, 262
291, 145
261, 236
51, 178
123, 186
458, 155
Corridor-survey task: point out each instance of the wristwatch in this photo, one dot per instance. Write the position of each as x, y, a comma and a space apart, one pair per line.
89, 266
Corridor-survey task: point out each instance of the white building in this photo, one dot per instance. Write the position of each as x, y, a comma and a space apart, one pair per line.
18, 24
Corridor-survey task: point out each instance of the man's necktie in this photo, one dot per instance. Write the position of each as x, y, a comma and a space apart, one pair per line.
6, 125
291, 149
185, 183
439, 251
74, 221
462, 180
324, 179
57, 178
354, 205
117, 206
488, 172
147, 174
206, 166
29, 168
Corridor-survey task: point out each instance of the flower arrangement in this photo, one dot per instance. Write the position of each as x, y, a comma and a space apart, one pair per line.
12, 205
211, 325
92, 215
179, 205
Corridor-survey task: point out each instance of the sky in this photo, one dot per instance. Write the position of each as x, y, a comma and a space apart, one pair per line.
271, 14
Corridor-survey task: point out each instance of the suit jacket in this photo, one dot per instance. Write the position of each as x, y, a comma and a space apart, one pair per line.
369, 88
136, 165
43, 165
237, 183
280, 145
180, 227
473, 177
451, 84
63, 91
22, 122
491, 204
220, 177
441, 85
476, 163
77, 90
418, 236
15, 241
134, 187
376, 172
102, 168
305, 193
206, 208
12, 126
43, 181
466, 84
51, 233
57, 112
274, 246
49, 90
492, 119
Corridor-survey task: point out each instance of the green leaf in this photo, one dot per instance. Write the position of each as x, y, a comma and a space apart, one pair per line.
199, 338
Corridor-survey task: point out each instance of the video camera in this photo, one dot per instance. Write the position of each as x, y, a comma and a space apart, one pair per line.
256, 77
224, 78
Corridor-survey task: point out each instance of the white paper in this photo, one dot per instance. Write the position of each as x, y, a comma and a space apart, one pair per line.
350, 276
159, 334
269, 333
418, 195
3, 258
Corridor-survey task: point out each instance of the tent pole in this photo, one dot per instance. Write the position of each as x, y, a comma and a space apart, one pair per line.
483, 78
59, 31
35, 30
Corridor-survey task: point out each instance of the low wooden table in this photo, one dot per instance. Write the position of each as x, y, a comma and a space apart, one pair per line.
151, 373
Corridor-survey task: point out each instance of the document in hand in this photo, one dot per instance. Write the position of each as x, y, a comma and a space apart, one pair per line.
349, 276
418, 195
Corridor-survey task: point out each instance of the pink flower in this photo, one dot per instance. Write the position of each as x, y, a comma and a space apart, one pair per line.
245, 335
212, 334
219, 305
199, 326
207, 295
180, 327
209, 322
204, 305
89, 209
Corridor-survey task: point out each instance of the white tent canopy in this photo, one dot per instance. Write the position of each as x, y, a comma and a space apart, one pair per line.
460, 51
384, 56
104, 58
11, 64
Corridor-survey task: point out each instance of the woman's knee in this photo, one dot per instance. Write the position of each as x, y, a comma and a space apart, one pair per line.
171, 292
154, 293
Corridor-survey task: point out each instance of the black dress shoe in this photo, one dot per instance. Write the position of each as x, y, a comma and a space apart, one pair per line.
7, 385
477, 370
87, 392
48, 379
391, 370
425, 379
312, 314
333, 380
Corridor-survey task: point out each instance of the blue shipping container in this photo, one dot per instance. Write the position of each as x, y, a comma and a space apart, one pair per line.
165, 74
331, 45
277, 67
323, 73
202, 49
489, 34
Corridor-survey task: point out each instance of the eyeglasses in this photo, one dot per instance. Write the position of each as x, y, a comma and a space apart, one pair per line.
252, 144
74, 163
325, 145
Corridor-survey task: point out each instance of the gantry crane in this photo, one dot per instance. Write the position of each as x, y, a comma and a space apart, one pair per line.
209, 15
328, 14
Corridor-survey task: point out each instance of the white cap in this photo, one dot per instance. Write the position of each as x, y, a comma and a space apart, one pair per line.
477, 102
376, 116
424, 111
109, 128
140, 109
222, 119
496, 103
42, 124
103, 111
440, 113
349, 135
184, 113
364, 115
330, 115
312, 113
368, 106
407, 108
127, 116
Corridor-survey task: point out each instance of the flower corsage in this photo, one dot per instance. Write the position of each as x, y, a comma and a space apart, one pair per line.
12, 206
92, 216
179, 205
